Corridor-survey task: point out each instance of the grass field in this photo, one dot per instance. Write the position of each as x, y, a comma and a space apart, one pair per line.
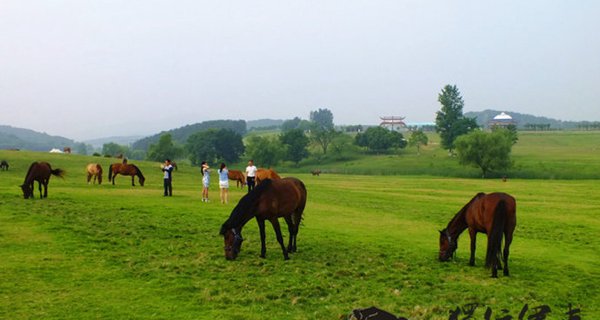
537, 155
122, 252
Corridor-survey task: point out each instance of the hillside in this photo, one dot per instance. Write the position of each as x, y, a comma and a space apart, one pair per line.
19, 138
181, 134
483, 117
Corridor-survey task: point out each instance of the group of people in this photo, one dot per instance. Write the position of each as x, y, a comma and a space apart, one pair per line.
251, 169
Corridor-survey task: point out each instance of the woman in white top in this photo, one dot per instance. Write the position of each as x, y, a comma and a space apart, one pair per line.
224, 183
250, 175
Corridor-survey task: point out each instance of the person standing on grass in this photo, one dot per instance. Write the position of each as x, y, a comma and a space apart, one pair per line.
224, 183
167, 168
250, 175
205, 180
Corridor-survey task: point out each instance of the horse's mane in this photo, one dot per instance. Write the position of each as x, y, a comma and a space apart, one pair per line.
139, 172
29, 170
244, 209
464, 209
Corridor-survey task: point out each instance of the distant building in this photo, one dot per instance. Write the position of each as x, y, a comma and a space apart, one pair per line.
502, 120
393, 123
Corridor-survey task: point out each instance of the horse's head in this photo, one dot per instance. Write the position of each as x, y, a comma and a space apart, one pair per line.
27, 191
447, 245
142, 179
233, 243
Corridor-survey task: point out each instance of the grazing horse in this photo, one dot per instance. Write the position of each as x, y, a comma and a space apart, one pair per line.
272, 199
40, 172
238, 177
4, 165
94, 170
126, 170
316, 172
263, 174
493, 214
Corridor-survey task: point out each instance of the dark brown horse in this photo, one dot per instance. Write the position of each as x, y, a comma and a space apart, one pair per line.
94, 170
238, 177
126, 170
4, 165
40, 172
271, 200
493, 214
263, 174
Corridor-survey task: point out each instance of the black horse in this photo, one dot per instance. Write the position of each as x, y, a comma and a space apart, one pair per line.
40, 172
4, 165
272, 199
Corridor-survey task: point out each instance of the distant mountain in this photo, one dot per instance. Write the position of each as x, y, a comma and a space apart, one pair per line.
181, 134
122, 140
483, 117
18, 138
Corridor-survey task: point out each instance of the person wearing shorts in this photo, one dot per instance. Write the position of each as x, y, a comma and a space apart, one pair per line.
224, 183
205, 181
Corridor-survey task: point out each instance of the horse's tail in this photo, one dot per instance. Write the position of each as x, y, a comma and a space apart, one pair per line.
300, 210
58, 172
110, 173
495, 237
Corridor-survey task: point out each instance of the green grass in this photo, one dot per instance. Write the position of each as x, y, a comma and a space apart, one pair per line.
537, 155
121, 252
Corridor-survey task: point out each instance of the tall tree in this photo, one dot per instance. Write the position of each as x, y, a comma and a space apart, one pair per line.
322, 118
113, 149
417, 139
296, 143
487, 151
164, 149
323, 138
449, 121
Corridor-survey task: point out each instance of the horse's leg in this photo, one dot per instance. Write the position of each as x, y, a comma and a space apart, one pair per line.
473, 235
89, 177
133, 181
507, 240
113, 178
261, 228
277, 228
290, 224
40, 188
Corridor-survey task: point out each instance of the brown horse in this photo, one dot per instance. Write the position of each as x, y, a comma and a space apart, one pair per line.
126, 170
94, 170
263, 174
493, 214
238, 177
40, 172
272, 199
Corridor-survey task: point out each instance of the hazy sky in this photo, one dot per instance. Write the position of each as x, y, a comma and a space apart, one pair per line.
97, 68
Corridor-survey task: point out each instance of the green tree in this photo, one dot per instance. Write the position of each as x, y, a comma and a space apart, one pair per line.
417, 139
112, 149
214, 145
82, 148
265, 151
380, 139
164, 149
488, 151
450, 122
322, 118
295, 143
323, 137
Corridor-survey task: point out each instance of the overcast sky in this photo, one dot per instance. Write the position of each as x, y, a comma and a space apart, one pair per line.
98, 68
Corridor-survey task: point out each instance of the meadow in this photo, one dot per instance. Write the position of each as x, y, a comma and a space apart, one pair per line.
123, 252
